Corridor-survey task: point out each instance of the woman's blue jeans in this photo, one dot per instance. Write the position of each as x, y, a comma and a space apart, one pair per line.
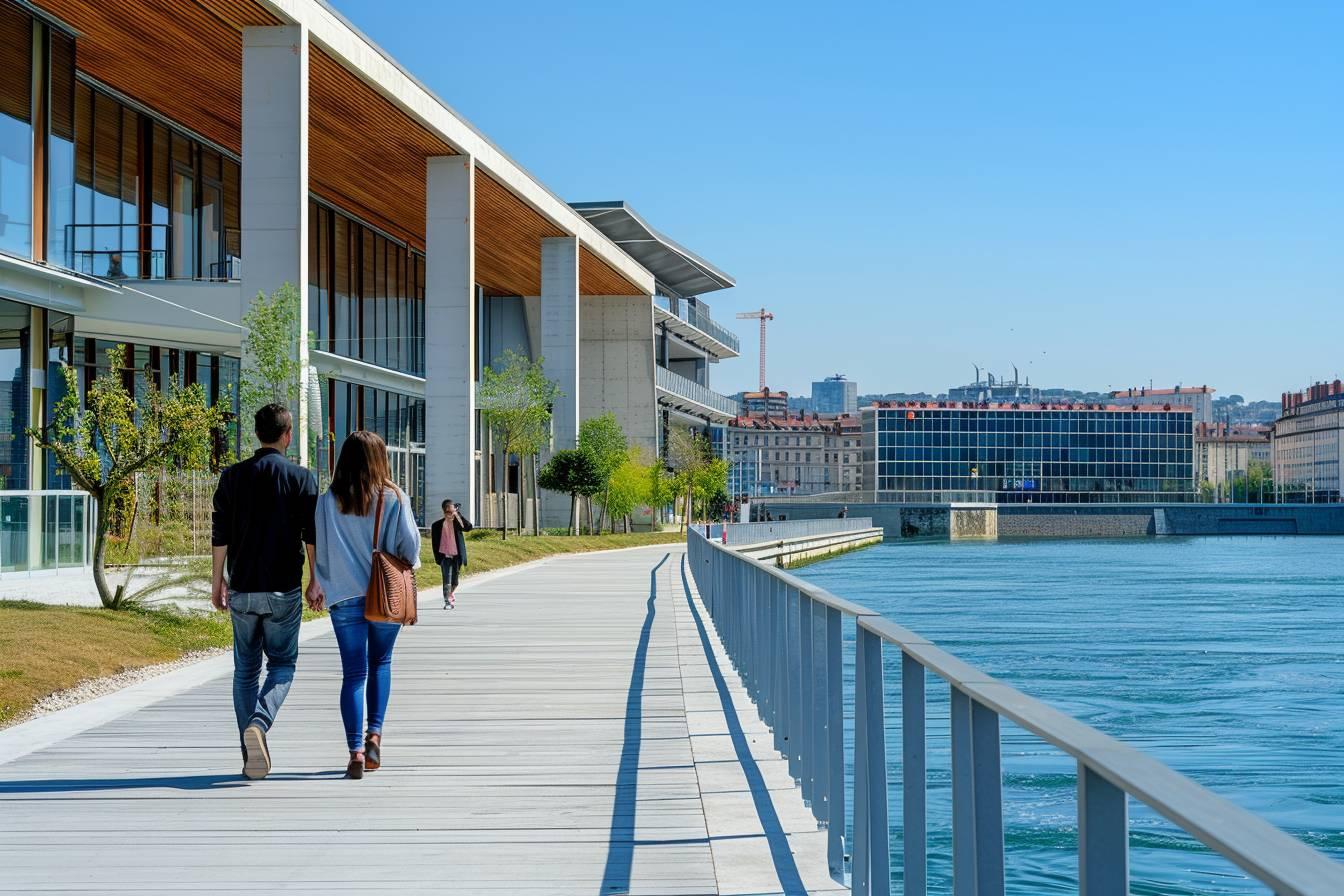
366, 662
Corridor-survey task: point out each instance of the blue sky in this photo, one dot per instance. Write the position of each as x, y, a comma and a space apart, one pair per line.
1099, 193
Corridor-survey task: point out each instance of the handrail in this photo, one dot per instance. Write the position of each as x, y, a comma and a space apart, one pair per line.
699, 319
689, 389
775, 625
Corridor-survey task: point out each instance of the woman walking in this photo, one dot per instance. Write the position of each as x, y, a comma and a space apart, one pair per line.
361, 489
450, 548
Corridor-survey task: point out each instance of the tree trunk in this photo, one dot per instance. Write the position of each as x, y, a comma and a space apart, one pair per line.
573, 513
503, 489
105, 594
522, 495
536, 495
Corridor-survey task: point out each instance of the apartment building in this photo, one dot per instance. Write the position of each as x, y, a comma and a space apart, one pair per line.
804, 455
1224, 453
1307, 443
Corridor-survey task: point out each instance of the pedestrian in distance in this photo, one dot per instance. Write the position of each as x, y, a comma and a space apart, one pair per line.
450, 548
261, 528
844, 512
362, 511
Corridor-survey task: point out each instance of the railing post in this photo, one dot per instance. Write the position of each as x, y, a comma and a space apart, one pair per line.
988, 799
780, 625
1103, 836
805, 707
914, 775
820, 717
860, 865
835, 736
963, 806
795, 662
879, 844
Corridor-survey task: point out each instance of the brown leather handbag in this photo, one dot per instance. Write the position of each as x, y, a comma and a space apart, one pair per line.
391, 594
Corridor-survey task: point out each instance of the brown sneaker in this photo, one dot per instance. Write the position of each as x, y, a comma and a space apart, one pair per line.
355, 770
257, 759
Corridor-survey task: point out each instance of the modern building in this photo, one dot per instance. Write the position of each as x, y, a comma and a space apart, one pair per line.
1308, 443
686, 339
1198, 398
1223, 453
163, 163
968, 451
802, 455
991, 388
765, 403
835, 395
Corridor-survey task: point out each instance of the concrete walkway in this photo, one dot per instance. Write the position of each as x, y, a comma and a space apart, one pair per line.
573, 727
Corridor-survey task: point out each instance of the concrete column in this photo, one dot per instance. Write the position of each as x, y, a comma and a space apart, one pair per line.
275, 184
450, 328
560, 351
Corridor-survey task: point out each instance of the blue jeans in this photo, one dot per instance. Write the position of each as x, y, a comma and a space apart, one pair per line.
267, 623
366, 665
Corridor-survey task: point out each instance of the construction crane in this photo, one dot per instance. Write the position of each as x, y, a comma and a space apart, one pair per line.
762, 316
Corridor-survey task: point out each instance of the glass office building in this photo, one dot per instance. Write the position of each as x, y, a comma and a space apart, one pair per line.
962, 451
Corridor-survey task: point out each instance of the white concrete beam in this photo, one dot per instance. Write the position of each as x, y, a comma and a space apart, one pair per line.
560, 351
275, 181
450, 330
338, 37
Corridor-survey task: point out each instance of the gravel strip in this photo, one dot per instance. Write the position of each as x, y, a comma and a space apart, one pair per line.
99, 687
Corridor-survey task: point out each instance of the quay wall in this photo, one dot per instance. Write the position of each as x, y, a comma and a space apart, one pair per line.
946, 521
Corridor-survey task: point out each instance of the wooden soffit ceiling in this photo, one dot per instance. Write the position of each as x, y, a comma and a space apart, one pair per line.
365, 154
182, 59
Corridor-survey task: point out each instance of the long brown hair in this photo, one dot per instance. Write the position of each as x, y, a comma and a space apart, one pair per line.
361, 470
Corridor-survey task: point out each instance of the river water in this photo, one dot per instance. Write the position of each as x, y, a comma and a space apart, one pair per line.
1223, 657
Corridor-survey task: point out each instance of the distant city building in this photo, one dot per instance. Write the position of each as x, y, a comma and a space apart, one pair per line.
1308, 443
766, 403
1197, 398
990, 388
1223, 453
795, 455
835, 395
1020, 452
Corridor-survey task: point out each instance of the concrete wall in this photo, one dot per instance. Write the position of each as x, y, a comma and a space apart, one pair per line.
1251, 519
616, 365
1063, 521
974, 523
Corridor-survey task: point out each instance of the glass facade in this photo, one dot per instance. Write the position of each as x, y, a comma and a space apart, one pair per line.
366, 293
398, 418
1019, 455
148, 202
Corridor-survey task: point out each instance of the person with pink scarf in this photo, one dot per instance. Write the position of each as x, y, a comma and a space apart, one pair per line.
450, 549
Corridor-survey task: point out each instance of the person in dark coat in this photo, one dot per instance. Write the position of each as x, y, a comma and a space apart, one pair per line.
450, 549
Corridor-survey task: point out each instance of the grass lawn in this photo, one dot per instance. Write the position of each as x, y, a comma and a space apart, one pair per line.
46, 648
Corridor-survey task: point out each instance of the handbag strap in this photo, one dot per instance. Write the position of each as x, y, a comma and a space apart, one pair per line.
378, 518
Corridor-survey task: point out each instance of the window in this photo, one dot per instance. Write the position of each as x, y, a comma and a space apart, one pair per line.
16, 133
148, 201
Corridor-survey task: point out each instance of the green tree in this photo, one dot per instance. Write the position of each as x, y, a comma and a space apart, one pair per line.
570, 472
119, 433
688, 454
662, 488
271, 371
516, 402
603, 440
627, 489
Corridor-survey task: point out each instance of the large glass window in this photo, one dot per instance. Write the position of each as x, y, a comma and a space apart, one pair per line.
15, 320
366, 292
148, 202
16, 132
398, 418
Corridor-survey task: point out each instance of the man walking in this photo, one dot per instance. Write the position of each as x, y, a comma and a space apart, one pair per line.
263, 521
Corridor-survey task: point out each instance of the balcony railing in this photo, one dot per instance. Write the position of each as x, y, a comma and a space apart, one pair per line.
699, 319
44, 530
690, 390
155, 258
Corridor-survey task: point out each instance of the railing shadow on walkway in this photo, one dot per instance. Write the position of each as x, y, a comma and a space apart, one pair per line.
786, 869
620, 840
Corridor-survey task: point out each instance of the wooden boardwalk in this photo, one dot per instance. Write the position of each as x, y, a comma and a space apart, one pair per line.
572, 728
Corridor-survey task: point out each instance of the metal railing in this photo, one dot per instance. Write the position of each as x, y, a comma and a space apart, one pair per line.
693, 315
96, 251
755, 533
784, 638
693, 391
44, 529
